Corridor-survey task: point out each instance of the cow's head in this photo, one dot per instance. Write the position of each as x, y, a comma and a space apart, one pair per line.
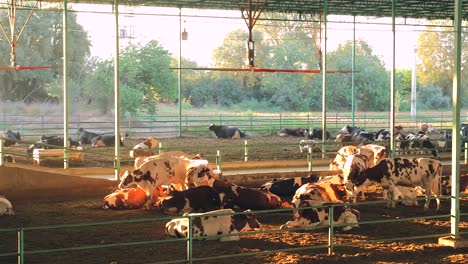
245, 222
199, 175
128, 179
151, 142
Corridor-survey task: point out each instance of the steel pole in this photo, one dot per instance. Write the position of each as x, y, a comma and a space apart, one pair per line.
65, 84
116, 93
392, 85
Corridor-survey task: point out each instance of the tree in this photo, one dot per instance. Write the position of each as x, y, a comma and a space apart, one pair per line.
41, 45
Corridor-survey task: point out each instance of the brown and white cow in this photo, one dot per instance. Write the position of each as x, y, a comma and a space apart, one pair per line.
169, 154
145, 148
380, 153
344, 152
157, 172
132, 198
233, 196
390, 172
5, 206
197, 199
318, 215
214, 223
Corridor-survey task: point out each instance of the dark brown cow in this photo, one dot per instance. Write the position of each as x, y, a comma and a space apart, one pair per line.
193, 200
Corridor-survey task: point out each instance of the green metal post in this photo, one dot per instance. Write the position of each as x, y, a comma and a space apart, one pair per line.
20, 246
189, 240
246, 151
1, 151
466, 152
392, 85
330, 230
179, 75
324, 74
65, 84
456, 137
353, 68
117, 93
309, 158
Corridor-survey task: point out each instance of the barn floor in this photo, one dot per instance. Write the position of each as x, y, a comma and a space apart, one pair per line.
58, 207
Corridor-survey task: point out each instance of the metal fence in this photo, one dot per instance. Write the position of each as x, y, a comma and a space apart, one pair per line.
38, 248
168, 125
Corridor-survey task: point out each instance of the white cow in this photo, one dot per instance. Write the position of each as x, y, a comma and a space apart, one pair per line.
208, 224
5, 206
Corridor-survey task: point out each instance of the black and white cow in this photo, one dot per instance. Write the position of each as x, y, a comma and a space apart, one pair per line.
214, 223
318, 216
10, 137
193, 200
326, 189
226, 131
49, 142
235, 196
390, 172
5, 206
292, 132
107, 140
398, 192
287, 186
85, 137
316, 133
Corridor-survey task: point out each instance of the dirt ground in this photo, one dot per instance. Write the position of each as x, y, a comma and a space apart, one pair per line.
145, 242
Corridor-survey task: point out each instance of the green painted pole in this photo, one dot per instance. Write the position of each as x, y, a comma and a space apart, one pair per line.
179, 76
117, 93
189, 240
330, 230
353, 68
392, 85
20, 246
324, 74
1, 152
65, 84
456, 137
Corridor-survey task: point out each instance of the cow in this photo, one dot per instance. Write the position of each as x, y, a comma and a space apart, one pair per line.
157, 172
398, 192
327, 189
402, 144
380, 153
8, 158
85, 137
318, 216
316, 133
292, 132
340, 159
193, 200
48, 142
5, 206
214, 223
287, 186
169, 154
305, 144
423, 172
226, 132
131, 198
350, 138
107, 140
144, 149
382, 135
235, 196
10, 137
464, 131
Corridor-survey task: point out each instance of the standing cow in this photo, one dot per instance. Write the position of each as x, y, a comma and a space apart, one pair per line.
390, 172
226, 132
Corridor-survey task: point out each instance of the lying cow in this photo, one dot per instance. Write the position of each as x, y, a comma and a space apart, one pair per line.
292, 132
144, 149
49, 142
287, 186
107, 140
5, 206
316, 133
131, 198
398, 192
305, 144
226, 132
10, 137
389, 172
235, 196
214, 223
319, 216
157, 172
8, 158
85, 137
192, 200
327, 189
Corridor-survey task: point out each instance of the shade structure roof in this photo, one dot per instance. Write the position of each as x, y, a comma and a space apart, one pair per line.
428, 9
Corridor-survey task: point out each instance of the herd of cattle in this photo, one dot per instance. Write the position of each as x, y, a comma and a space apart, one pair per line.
177, 183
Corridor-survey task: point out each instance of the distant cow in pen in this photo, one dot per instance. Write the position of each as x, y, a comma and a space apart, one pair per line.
226, 131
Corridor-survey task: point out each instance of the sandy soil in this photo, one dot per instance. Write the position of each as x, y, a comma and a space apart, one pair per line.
84, 206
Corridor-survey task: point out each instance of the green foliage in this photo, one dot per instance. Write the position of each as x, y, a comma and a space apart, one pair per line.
41, 45
431, 97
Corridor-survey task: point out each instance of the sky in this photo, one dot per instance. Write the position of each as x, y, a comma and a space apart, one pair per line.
206, 33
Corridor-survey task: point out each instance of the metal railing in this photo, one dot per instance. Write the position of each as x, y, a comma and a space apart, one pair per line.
22, 251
